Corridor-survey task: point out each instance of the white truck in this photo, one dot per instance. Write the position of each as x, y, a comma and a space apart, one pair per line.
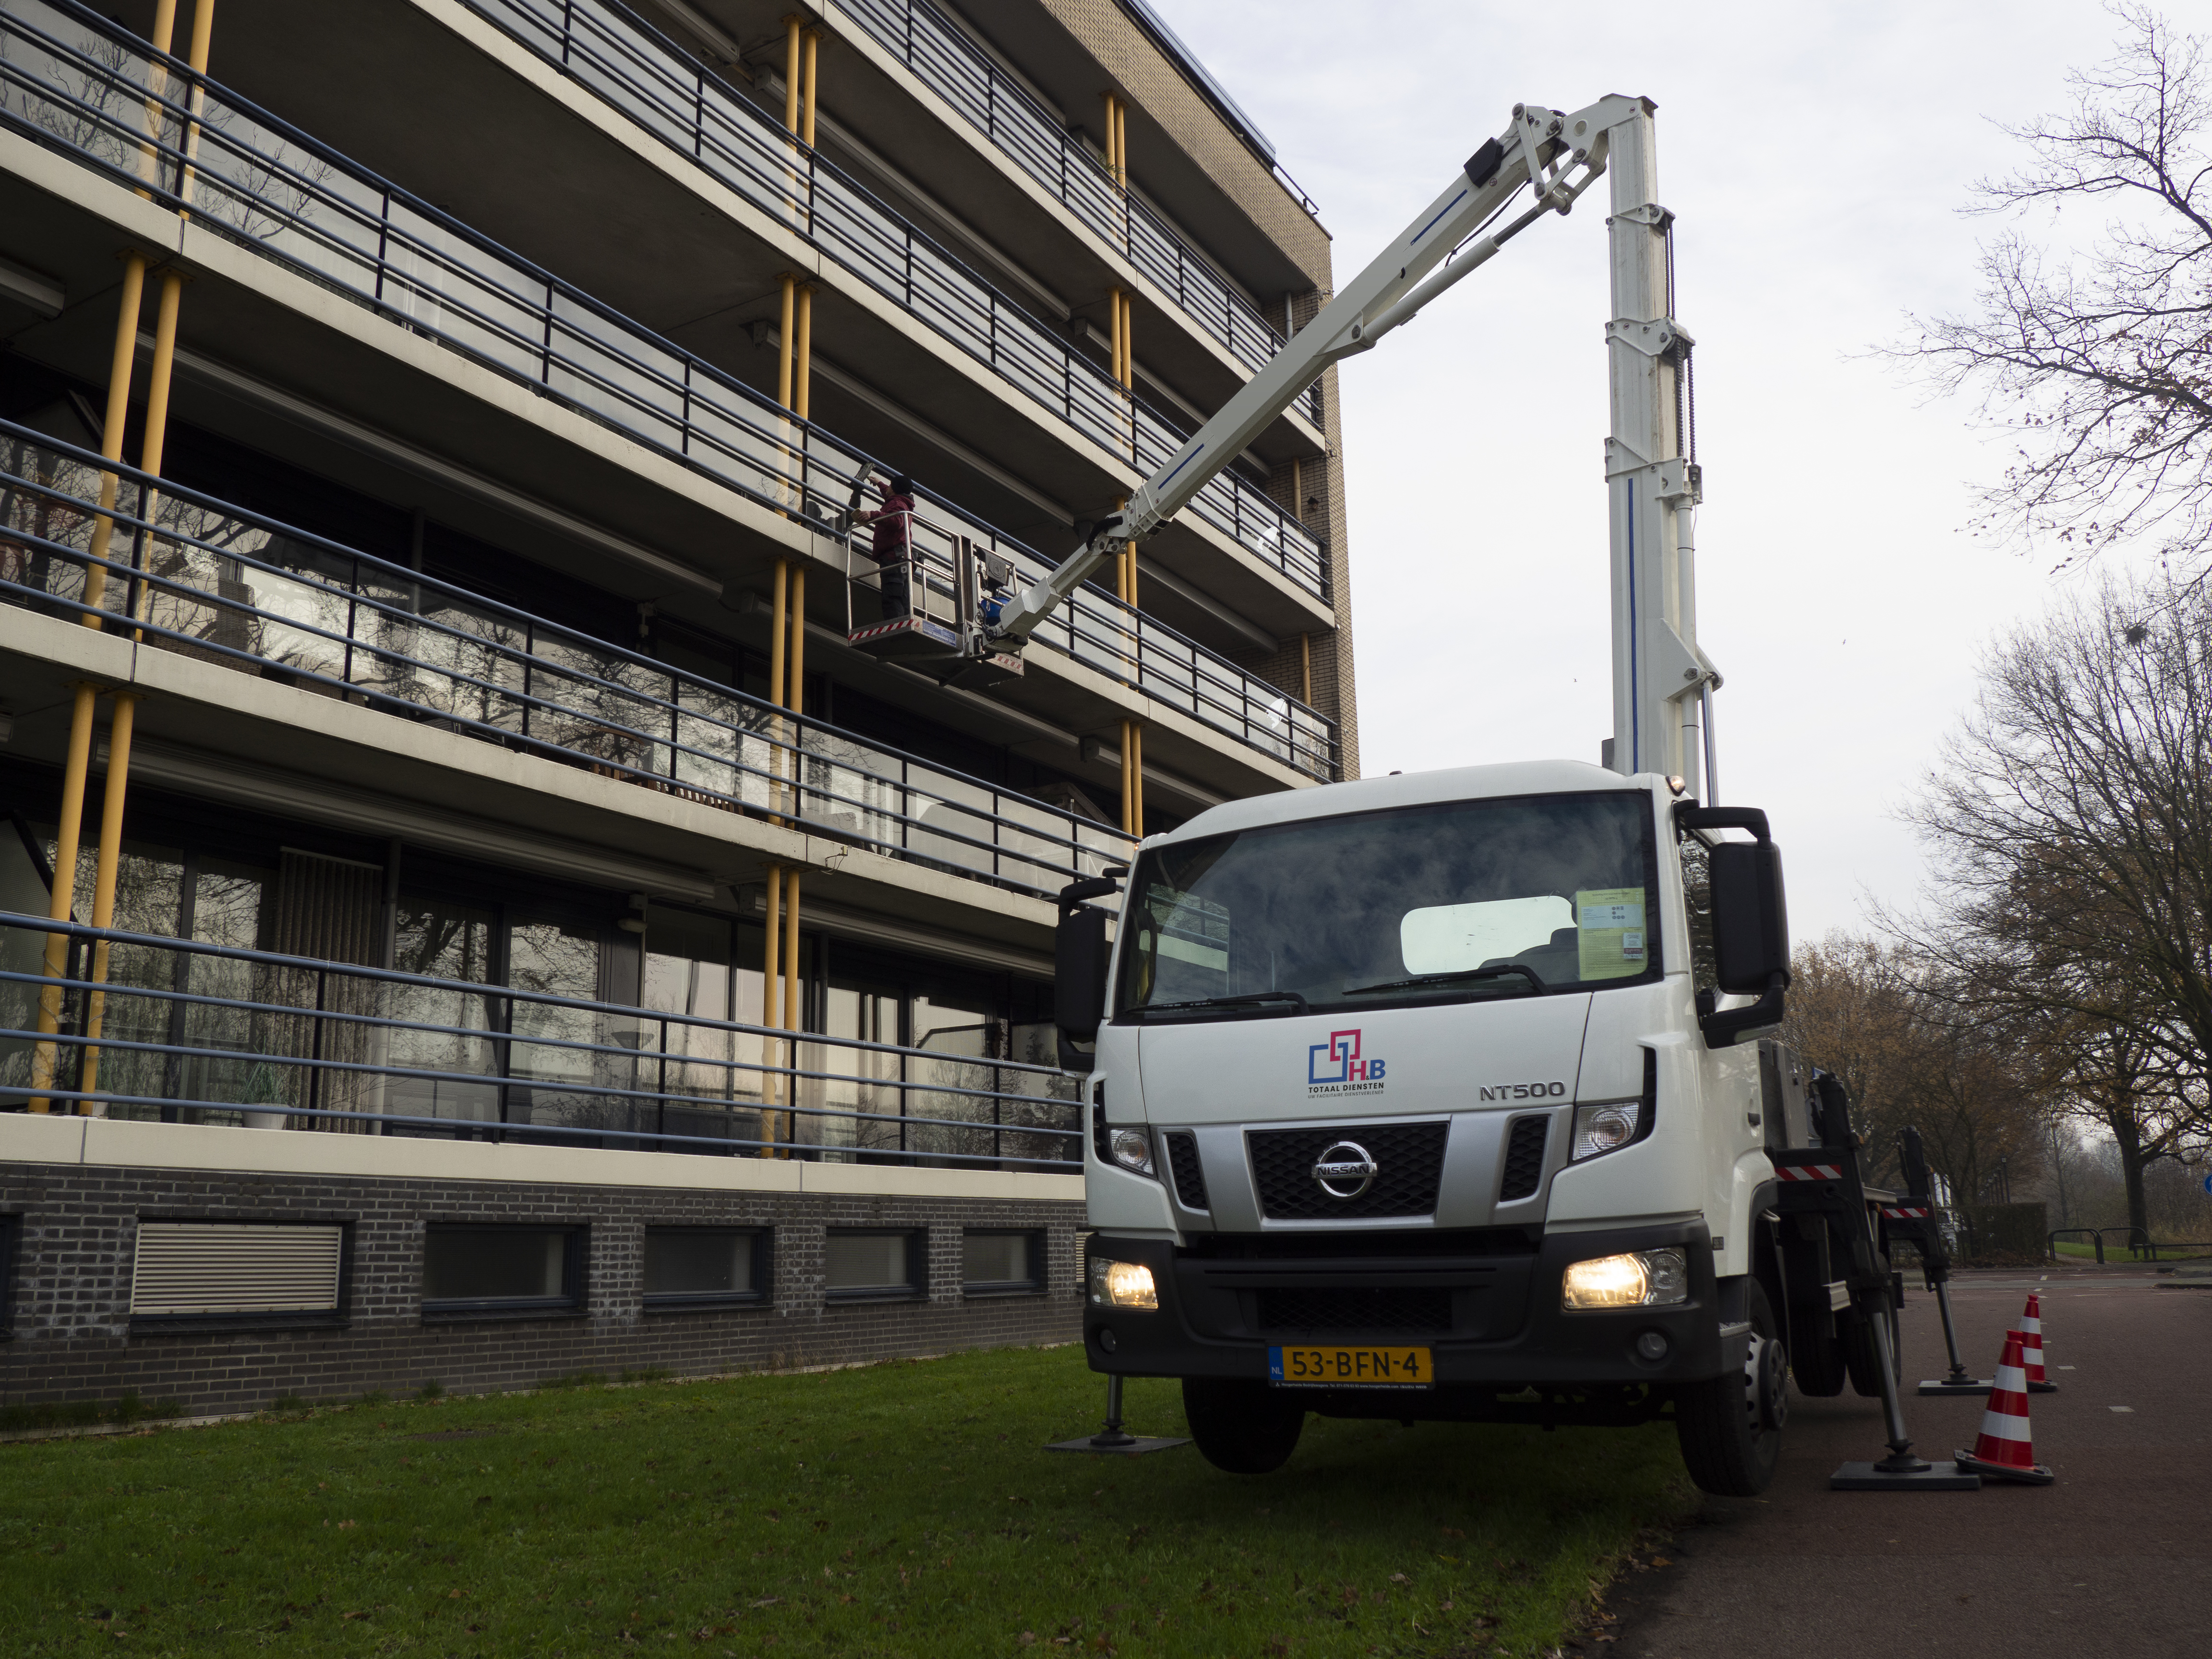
1443, 1095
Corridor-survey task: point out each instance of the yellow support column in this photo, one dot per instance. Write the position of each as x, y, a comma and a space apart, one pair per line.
802, 362
121, 364
813, 38
792, 1003
784, 338
771, 1006
103, 887
793, 25
157, 88
203, 31
1305, 669
64, 900
780, 609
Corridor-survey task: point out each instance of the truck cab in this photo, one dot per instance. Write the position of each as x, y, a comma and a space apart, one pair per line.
1434, 1096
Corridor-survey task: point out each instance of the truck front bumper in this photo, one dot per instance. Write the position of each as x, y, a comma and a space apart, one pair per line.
1219, 1316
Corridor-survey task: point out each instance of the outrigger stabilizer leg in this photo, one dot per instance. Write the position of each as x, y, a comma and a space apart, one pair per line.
1903, 1470
1112, 1439
1916, 1219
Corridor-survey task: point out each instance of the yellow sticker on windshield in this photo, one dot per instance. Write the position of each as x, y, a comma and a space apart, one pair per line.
1609, 931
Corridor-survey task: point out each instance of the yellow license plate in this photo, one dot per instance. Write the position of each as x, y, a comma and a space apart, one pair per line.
1350, 1368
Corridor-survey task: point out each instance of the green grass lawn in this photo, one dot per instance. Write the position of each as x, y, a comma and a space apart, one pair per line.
903, 1508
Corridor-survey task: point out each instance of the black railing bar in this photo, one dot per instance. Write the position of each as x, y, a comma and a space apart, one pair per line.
807, 795
481, 1034
818, 164
396, 976
810, 798
345, 164
1100, 176
473, 1127
689, 460
509, 1079
402, 573
1115, 649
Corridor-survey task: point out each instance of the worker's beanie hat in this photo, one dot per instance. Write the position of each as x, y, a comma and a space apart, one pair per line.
901, 485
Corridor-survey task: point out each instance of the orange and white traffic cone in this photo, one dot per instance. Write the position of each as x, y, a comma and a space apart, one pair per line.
2031, 1326
2004, 1449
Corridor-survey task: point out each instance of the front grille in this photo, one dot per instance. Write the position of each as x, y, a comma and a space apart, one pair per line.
1182, 1163
1524, 1158
1411, 1312
1409, 1159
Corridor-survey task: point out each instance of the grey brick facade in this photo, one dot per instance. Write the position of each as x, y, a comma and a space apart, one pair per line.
75, 1229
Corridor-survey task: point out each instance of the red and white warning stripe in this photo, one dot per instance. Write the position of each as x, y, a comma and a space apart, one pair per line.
1901, 1213
1808, 1171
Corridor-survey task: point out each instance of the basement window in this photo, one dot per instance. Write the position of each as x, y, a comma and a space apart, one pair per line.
996, 1262
197, 1273
872, 1263
705, 1266
475, 1271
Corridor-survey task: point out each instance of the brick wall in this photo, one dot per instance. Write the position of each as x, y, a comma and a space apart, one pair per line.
76, 1230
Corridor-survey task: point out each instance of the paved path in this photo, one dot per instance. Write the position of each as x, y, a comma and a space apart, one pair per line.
2111, 1563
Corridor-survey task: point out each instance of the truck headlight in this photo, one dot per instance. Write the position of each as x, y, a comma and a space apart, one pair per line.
1122, 1283
1131, 1150
1641, 1278
1605, 1128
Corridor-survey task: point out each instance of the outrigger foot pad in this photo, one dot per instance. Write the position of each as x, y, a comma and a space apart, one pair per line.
2027, 1475
1118, 1445
1956, 1385
1928, 1477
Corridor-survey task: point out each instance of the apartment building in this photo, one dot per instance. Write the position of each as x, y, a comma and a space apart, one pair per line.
496, 884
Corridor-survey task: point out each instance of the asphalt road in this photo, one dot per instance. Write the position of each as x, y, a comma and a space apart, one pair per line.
2110, 1563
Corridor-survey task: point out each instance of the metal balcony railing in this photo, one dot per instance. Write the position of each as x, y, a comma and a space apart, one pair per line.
274, 190
940, 54
655, 83
199, 1033
209, 581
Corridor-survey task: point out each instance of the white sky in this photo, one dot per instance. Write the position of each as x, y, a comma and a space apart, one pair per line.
1815, 156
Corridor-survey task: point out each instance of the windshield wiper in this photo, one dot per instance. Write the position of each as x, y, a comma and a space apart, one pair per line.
1459, 975
1251, 1000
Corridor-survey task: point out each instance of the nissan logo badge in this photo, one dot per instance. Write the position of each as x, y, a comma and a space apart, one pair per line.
1345, 1171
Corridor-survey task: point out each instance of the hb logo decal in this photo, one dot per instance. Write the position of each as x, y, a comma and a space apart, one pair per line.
1337, 1061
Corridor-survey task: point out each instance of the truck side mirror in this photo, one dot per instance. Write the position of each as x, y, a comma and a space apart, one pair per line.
1751, 921
1751, 925
1078, 983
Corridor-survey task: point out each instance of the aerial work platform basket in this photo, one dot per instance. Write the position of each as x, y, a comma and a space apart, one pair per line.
928, 611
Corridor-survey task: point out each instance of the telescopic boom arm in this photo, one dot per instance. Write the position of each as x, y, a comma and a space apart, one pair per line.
1560, 155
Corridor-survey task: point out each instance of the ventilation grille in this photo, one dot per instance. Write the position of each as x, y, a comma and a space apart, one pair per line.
1524, 1158
1182, 1163
186, 1267
1409, 1159
1408, 1312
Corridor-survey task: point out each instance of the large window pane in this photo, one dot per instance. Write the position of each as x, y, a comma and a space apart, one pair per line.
474, 1266
441, 938
870, 1263
692, 1262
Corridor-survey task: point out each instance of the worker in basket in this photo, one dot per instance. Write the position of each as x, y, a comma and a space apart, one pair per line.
893, 548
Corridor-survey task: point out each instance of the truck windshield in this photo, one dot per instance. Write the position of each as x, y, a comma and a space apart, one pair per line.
1527, 896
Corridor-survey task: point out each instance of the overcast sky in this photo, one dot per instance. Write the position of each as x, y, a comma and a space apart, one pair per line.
1816, 156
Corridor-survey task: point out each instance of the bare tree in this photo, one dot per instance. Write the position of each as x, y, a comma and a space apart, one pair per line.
1897, 1036
2099, 360
2070, 824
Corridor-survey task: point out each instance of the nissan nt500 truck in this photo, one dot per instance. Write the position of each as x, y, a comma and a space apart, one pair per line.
1421, 1097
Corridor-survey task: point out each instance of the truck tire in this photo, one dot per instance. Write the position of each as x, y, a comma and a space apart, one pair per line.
1730, 1426
1242, 1428
1865, 1360
1816, 1358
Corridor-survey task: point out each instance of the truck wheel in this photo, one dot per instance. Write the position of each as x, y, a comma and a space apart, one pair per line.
1816, 1359
1865, 1360
1241, 1428
1730, 1426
